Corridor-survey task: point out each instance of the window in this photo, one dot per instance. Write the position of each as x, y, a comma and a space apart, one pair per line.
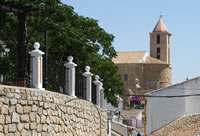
158, 53
158, 39
126, 77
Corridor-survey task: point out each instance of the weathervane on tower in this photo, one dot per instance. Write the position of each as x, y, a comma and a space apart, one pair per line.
160, 15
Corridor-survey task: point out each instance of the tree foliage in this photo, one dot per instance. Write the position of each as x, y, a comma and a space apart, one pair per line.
68, 34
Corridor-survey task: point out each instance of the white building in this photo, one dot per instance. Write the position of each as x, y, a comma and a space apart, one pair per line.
169, 104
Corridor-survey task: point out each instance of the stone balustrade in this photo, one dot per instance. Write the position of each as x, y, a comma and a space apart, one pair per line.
70, 85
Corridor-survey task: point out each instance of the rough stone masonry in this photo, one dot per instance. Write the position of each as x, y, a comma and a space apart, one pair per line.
26, 112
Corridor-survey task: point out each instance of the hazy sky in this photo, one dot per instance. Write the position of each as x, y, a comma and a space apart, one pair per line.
131, 21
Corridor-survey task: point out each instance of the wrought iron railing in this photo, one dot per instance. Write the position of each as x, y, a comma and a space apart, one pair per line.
94, 93
80, 86
7, 73
56, 78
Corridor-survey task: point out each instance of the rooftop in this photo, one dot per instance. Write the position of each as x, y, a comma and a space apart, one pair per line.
174, 85
135, 57
160, 26
133, 113
185, 126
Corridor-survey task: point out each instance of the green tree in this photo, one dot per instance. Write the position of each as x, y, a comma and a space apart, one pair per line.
68, 34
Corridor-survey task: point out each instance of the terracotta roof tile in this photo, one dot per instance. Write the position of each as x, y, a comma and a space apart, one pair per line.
135, 57
160, 26
129, 57
185, 126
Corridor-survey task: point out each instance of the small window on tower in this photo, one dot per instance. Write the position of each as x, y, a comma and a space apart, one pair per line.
158, 53
125, 77
158, 39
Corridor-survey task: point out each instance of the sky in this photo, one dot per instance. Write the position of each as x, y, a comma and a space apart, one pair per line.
131, 21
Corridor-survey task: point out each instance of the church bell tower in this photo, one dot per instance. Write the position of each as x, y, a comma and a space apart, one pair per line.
160, 45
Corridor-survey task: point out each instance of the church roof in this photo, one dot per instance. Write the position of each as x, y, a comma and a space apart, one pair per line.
135, 57
153, 60
129, 57
160, 26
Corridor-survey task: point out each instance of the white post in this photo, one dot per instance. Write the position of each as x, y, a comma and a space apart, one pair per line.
119, 108
120, 104
98, 89
88, 76
37, 66
102, 96
109, 127
70, 77
110, 117
1, 78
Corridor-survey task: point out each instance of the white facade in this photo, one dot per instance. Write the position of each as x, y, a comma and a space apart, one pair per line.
160, 111
192, 102
120, 128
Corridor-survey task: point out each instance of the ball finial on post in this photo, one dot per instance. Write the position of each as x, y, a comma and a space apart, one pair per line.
97, 78
70, 59
87, 69
36, 45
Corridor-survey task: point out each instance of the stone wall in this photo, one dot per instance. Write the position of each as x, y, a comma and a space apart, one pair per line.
161, 72
25, 112
147, 74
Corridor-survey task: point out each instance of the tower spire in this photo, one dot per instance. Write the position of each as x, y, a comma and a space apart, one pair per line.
160, 46
160, 26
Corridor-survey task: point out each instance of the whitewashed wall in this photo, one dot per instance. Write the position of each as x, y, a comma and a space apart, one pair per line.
192, 104
162, 111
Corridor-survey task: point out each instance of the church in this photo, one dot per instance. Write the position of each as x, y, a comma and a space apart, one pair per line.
141, 73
